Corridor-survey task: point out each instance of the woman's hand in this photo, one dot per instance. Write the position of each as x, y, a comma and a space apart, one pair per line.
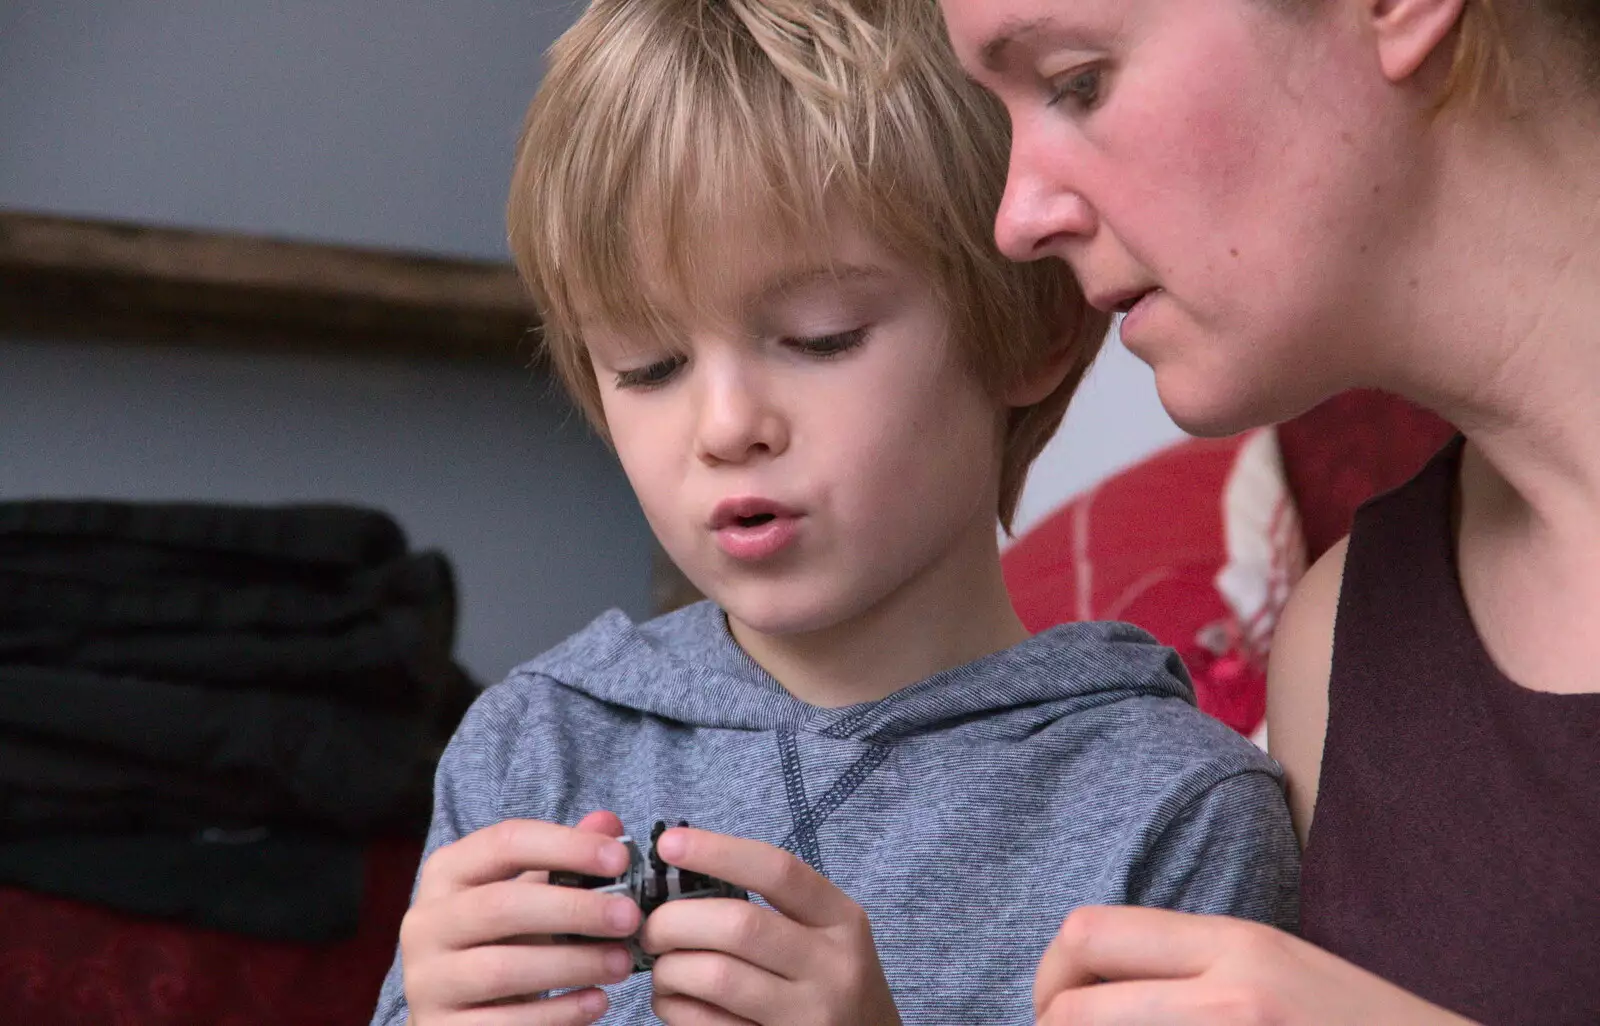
1120, 966
811, 963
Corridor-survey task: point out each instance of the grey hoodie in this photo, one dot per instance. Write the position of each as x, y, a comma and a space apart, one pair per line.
967, 813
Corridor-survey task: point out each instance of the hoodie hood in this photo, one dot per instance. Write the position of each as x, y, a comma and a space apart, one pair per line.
711, 681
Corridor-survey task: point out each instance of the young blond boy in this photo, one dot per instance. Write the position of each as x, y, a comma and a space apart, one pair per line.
759, 235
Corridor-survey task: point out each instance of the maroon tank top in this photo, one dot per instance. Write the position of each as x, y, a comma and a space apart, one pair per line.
1455, 849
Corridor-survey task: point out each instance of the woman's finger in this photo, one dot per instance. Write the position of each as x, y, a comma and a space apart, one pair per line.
1147, 1003
1129, 943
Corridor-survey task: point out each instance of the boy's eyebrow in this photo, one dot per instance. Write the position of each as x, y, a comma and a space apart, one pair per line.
793, 281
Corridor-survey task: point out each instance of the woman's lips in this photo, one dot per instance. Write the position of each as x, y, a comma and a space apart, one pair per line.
1135, 313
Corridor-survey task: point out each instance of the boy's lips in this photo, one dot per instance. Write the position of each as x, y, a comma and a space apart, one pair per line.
753, 528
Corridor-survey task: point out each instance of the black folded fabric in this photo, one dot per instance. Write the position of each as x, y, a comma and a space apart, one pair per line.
264, 883
388, 647
316, 760
181, 666
47, 588
308, 535
49, 787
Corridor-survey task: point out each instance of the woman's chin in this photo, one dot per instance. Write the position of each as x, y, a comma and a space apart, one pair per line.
1206, 407
1204, 415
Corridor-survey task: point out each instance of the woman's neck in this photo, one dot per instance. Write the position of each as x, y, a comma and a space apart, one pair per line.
1500, 314
1504, 341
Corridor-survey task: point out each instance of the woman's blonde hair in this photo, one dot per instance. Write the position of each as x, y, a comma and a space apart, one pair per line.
1483, 66
657, 118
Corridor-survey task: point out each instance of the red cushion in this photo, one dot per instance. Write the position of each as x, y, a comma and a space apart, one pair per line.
66, 963
1145, 546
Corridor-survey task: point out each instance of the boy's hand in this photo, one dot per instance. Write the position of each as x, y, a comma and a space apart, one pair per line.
811, 963
475, 945
1117, 966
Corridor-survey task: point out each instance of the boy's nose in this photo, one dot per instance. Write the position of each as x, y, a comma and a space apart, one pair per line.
737, 423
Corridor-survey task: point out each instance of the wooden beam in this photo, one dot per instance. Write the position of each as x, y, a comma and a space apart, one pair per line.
125, 282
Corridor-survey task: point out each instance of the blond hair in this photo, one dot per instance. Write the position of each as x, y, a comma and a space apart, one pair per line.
1481, 64
1483, 67
657, 117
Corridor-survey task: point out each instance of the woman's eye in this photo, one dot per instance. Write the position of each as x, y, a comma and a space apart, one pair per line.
658, 373
830, 345
1080, 88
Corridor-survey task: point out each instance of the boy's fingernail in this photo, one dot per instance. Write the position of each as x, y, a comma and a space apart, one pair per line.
614, 857
672, 845
592, 1002
620, 913
619, 964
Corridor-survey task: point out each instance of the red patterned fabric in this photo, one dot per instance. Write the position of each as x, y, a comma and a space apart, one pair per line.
65, 963
1145, 546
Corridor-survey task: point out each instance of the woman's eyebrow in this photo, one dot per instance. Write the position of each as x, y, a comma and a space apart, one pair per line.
992, 54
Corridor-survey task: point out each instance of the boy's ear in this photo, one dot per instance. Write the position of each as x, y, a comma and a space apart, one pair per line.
1408, 32
1037, 384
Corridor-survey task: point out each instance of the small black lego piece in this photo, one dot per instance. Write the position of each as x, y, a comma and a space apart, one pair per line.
651, 883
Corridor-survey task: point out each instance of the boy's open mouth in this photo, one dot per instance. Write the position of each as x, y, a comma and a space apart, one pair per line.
752, 529
748, 512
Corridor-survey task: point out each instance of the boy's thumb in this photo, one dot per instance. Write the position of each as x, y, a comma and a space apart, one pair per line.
602, 822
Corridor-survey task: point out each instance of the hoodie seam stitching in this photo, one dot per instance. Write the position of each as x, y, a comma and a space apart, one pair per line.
804, 836
835, 796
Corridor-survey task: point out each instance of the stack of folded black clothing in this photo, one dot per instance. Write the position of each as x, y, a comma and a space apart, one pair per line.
207, 711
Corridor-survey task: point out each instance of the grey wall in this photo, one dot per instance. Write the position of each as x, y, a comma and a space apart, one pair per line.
373, 121
358, 121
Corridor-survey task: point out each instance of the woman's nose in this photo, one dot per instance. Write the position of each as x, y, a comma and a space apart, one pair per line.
1041, 213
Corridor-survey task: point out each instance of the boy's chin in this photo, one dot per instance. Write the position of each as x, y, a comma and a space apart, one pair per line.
778, 614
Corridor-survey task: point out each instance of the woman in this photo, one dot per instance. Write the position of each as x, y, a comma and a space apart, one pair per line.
1287, 198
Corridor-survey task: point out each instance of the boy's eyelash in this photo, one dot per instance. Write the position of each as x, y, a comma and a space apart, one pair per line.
662, 371
830, 345
1084, 86
651, 376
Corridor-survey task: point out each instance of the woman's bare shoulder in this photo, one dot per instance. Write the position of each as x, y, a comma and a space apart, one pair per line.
1297, 682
